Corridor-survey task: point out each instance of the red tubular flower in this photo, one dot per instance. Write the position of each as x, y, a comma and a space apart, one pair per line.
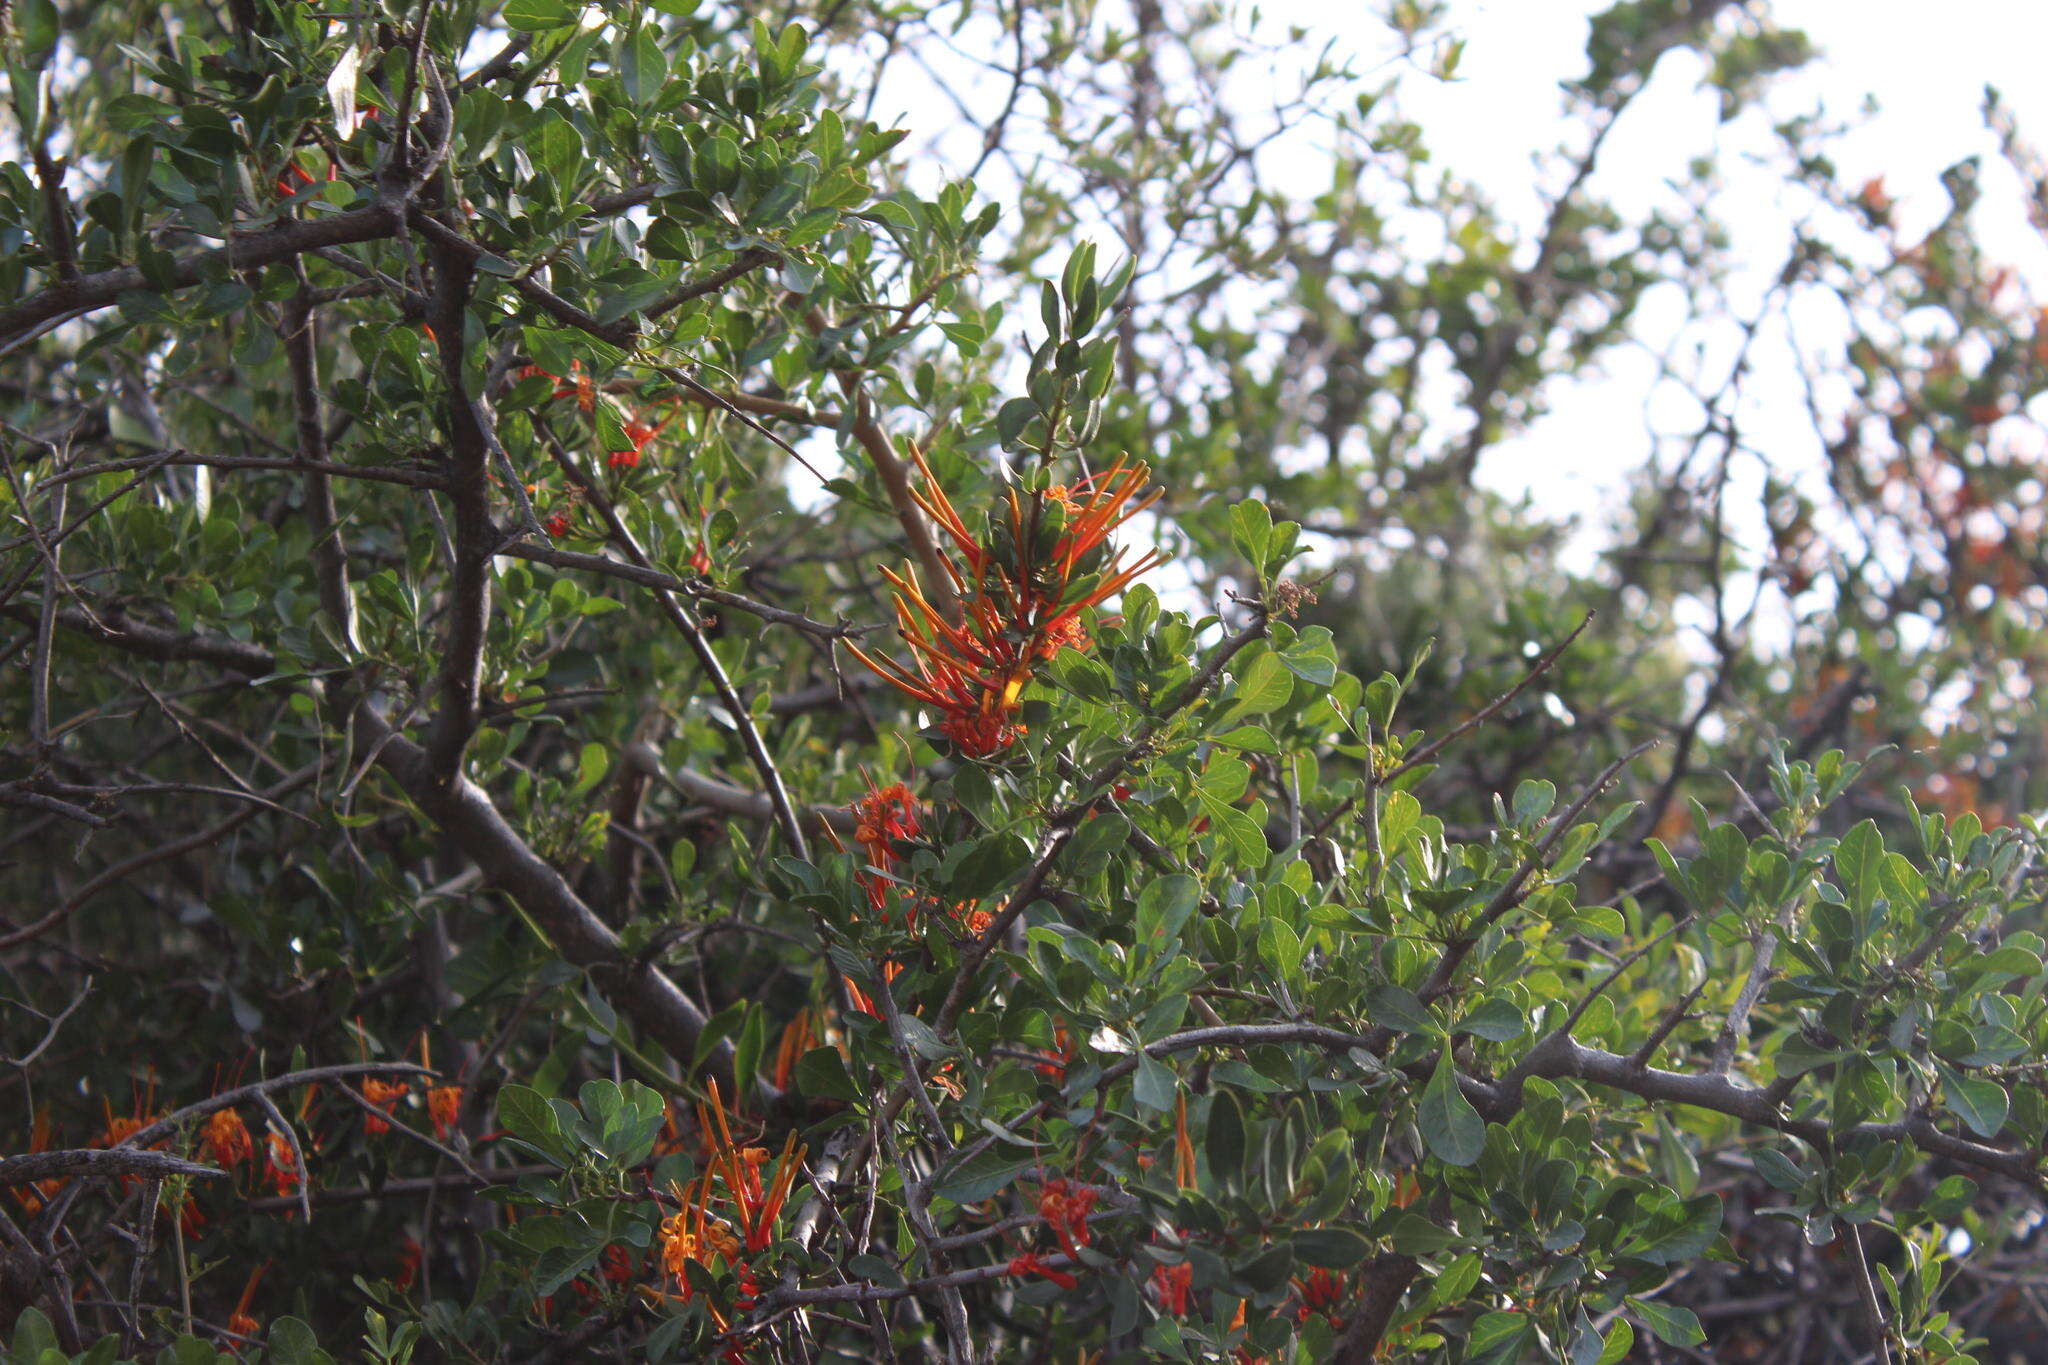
638, 433
1054, 1066
1183, 1146
798, 1037
883, 816
409, 1254
385, 1095
281, 1168
1065, 1206
1173, 1288
226, 1139
444, 1107
190, 1219
241, 1322
1322, 1292
1021, 602
858, 998
557, 524
32, 1197
758, 1206
1031, 1263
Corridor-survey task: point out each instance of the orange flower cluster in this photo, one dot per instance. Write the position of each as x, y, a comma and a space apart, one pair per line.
1031, 1263
798, 1037
281, 1168
1021, 599
580, 387
385, 1095
1322, 1292
1065, 1206
242, 1322
883, 816
226, 1139
693, 1233
409, 1255
1173, 1288
1183, 1146
1054, 1067
444, 1107
121, 1127
32, 1197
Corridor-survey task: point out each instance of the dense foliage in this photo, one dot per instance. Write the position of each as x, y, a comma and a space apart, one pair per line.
643, 719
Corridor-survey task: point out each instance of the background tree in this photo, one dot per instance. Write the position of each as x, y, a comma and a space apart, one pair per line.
644, 719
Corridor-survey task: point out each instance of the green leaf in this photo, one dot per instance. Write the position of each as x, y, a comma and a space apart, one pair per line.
1588, 1348
1224, 1142
1245, 835
1251, 530
1685, 1240
34, 1335
1499, 1338
1398, 1008
591, 766
1263, 687
1153, 1085
1268, 1270
1164, 907
292, 1343
531, 16
1280, 948
1672, 1325
1981, 1104
821, 1074
1414, 1235
557, 147
982, 1178
1778, 1169
1859, 862
1496, 1020
525, 1114
1451, 1127
1313, 657
642, 67
1224, 779
1330, 1248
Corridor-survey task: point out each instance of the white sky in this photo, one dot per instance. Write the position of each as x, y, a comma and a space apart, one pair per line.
1925, 67
1504, 110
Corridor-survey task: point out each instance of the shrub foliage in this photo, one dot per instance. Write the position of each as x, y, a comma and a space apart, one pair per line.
644, 719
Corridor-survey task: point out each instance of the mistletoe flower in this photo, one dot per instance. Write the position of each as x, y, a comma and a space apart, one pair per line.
191, 1220
1031, 1263
226, 1139
444, 1107
882, 817
758, 1204
409, 1253
385, 1095
1322, 1292
692, 1234
241, 1322
281, 1168
1022, 590
1065, 1206
34, 1195
798, 1038
638, 434
1173, 1288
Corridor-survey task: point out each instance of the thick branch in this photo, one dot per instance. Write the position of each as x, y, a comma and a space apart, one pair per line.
245, 251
